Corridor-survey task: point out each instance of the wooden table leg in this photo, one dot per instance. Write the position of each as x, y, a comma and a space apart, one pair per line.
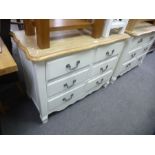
29, 27
97, 28
43, 33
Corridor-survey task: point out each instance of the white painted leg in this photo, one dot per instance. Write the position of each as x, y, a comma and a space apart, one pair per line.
106, 84
113, 79
44, 119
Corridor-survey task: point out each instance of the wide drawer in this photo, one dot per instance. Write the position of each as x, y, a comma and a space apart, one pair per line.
140, 41
68, 64
102, 67
106, 52
66, 99
98, 81
67, 83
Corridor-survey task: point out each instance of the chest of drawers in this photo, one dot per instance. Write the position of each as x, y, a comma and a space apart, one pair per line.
54, 84
133, 53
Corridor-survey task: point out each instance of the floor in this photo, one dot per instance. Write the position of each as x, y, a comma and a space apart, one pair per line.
125, 107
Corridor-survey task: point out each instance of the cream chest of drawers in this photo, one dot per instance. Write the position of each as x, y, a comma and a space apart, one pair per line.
133, 53
55, 83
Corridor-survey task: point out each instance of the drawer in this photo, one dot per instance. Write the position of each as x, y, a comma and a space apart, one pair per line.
142, 40
128, 66
67, 83
98, 81
102, 67
68, 64
66, 99
140, 58
106, 52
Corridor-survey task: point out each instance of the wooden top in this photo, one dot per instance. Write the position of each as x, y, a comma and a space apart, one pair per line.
142, 29
68, 24
62, 43
7, 63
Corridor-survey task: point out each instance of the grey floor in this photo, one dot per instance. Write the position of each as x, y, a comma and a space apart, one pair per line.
125, 107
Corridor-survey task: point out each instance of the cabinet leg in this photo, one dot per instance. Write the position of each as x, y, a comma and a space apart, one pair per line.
113, 79
44, 119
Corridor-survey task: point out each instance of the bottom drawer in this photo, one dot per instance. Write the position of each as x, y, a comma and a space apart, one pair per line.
63, 100
97, 82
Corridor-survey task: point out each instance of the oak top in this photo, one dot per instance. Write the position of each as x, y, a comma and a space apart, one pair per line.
141, 29
62, 44
7, 63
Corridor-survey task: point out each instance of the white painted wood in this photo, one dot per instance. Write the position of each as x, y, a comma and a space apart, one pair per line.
58, 67
45, 80
67, 83
106, 52
135, 48
114, 24
102, 67
98, 82
65, 99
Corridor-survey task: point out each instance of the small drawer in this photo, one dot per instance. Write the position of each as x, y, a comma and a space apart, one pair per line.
98, 81
128, 66
102, 67
68, 64
67, 83
66, 99
106, 52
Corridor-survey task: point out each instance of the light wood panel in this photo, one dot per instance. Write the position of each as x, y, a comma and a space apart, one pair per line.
7, 63
61, 47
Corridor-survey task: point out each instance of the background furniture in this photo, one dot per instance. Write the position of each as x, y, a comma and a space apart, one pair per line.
45, 26
119, 25
142, 38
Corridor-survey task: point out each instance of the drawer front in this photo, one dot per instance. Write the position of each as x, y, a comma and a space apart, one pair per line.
142, 40
67, 83
98, 82
104, 66
140, 58
106, 52
68, 64
128, 66
66, 99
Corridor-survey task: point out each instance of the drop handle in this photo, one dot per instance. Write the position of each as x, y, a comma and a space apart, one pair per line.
133, 55
145, 49
68, 99
103, 70
68, 66
129, 64
110, 54
67, 86
100, 82
140, 40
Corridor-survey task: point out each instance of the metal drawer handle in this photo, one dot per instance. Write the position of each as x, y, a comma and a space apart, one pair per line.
99, 82
68, 66
66, 85
133, 55
145, 49
68, 99
140, 40
151, 38
110, 54
103, 70
129, 64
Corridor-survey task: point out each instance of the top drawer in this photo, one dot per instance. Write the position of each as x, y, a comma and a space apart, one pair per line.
142, 40
68, 64
106, 52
